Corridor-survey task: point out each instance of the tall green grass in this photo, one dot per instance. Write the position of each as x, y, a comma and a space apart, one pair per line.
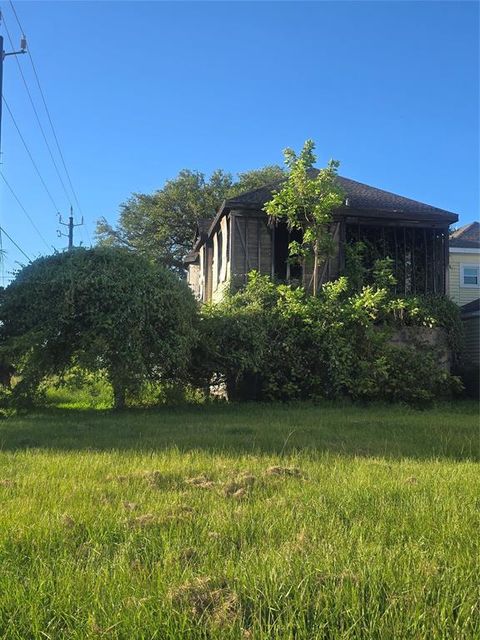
227, 522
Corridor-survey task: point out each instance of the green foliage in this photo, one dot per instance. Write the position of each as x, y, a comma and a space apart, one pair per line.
161, 225
355, 269
78, 389
81, 389
285, 344
383, 273
404, 374
306, 202
101, 309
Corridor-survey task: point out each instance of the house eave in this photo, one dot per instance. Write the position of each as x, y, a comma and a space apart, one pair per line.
398, 217
391, 216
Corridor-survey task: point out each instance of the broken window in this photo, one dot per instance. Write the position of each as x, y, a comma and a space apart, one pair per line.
286, 269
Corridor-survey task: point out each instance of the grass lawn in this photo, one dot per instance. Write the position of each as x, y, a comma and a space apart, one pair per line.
261, 522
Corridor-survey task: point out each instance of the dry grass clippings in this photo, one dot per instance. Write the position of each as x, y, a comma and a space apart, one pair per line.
284, 471
5, 482
67, 521
239, 487
143, 521
204, 596
200, 482
188, 555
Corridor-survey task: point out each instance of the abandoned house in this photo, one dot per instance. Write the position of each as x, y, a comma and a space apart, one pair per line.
241, 238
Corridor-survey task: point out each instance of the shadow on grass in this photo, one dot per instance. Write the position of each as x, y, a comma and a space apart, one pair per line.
446, 431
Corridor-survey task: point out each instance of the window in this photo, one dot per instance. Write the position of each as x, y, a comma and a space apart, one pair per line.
469, 275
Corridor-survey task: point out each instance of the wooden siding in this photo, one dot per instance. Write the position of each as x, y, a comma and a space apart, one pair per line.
244, 240
193, 279
207, 294
220, 261
251, 246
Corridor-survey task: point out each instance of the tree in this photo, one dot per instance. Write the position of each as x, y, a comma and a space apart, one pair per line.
306, 203
103, 309
161, 225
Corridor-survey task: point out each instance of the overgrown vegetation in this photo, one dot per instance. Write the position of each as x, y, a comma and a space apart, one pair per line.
273, 341
112, 317
107, 319
239, 523
99, 310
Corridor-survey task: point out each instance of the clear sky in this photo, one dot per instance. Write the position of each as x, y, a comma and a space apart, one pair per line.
139, 90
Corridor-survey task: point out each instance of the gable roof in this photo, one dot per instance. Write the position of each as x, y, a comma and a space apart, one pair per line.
467, 237
358, 196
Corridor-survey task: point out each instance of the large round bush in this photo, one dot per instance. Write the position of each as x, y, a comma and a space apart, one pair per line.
102, 309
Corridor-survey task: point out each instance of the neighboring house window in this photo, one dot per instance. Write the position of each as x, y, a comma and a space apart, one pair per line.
470, 275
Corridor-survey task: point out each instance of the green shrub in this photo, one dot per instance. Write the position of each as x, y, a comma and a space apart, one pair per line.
277, 342
102, 310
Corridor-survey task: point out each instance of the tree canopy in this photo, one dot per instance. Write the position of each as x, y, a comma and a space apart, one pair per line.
161, 225
103, 309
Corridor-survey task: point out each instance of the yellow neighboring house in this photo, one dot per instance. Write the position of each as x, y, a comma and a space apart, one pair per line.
464, 283
464, 273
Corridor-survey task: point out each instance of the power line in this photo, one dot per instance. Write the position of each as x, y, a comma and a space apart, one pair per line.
30, 156
14, 243
36, 114
25, 211
48, 115
2, 261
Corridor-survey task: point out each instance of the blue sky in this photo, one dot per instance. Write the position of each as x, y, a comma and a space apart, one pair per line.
139, 90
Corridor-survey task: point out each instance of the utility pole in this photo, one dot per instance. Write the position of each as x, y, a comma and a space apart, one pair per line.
3, 55
71, 226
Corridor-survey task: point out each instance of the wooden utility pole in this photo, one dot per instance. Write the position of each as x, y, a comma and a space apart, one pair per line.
71, 226
3, 55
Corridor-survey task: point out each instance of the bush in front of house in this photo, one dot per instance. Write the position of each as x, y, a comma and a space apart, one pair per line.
272, 341
99, 310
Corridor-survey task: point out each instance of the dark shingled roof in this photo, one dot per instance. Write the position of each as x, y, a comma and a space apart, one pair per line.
467, 237
358, 196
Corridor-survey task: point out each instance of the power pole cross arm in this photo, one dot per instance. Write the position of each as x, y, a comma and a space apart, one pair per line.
71, 226
3, 55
